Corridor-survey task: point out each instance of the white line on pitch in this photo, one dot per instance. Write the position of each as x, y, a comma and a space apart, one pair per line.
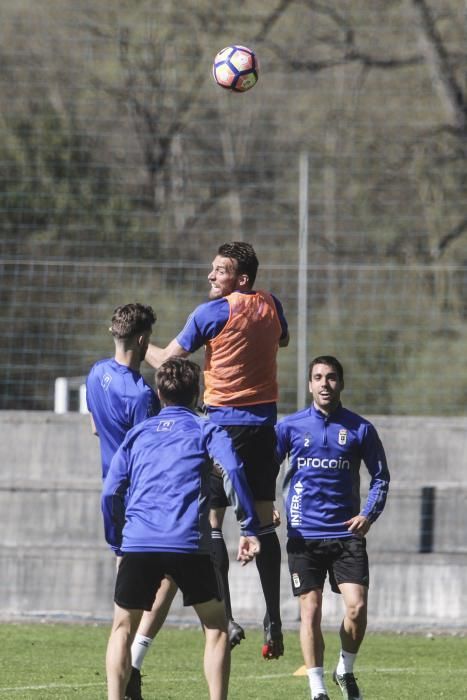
51, 686
270, 676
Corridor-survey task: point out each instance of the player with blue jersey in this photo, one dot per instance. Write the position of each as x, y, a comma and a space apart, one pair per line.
241, 330
326, 524
118, 398
117, 395
155, 502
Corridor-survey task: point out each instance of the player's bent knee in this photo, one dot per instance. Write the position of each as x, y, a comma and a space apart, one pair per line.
357, 611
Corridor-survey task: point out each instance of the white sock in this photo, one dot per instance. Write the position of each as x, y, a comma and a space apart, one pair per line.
316, 680
139, 649
345, 663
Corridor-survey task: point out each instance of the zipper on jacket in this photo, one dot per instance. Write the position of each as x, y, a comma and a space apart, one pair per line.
325, 431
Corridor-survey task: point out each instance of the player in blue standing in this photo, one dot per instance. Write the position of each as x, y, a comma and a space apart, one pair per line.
241, 330
119, 398
326, 525
155, 502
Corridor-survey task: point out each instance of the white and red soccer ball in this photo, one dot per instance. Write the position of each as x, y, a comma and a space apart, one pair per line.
236, 68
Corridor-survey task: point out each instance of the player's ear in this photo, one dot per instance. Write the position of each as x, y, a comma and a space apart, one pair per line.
243, 280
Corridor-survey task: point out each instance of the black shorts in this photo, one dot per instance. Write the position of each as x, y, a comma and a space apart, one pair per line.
345, 560
140, 574
256, 447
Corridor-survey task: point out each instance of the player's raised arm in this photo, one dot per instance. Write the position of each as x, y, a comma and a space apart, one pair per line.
156, 356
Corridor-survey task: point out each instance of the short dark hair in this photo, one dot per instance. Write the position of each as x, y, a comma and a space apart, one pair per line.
245, 257
131, 320
177, 381
331, 362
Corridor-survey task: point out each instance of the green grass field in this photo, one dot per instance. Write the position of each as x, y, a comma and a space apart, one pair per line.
47, 661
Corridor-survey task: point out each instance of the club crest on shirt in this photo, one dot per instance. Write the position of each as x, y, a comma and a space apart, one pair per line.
106, 379
307, 440
342, 439
164, 425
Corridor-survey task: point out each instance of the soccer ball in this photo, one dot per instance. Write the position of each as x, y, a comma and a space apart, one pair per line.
236, 68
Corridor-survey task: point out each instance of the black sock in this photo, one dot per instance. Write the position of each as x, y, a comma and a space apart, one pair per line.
268, 563
221, 560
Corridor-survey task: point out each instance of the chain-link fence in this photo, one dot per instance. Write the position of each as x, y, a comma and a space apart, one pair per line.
123, 167
401, 352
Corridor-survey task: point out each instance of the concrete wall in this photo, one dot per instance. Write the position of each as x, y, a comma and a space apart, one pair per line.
54, 561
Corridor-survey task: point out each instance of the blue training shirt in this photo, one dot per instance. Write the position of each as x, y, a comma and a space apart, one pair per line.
205, 323
156, 494
322, 481
118, 398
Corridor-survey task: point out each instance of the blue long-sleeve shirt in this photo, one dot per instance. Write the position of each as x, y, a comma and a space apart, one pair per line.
322, 482
156, 493
118, 398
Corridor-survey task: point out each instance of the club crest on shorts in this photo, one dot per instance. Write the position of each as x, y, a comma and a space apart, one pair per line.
342, 439
296, 580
